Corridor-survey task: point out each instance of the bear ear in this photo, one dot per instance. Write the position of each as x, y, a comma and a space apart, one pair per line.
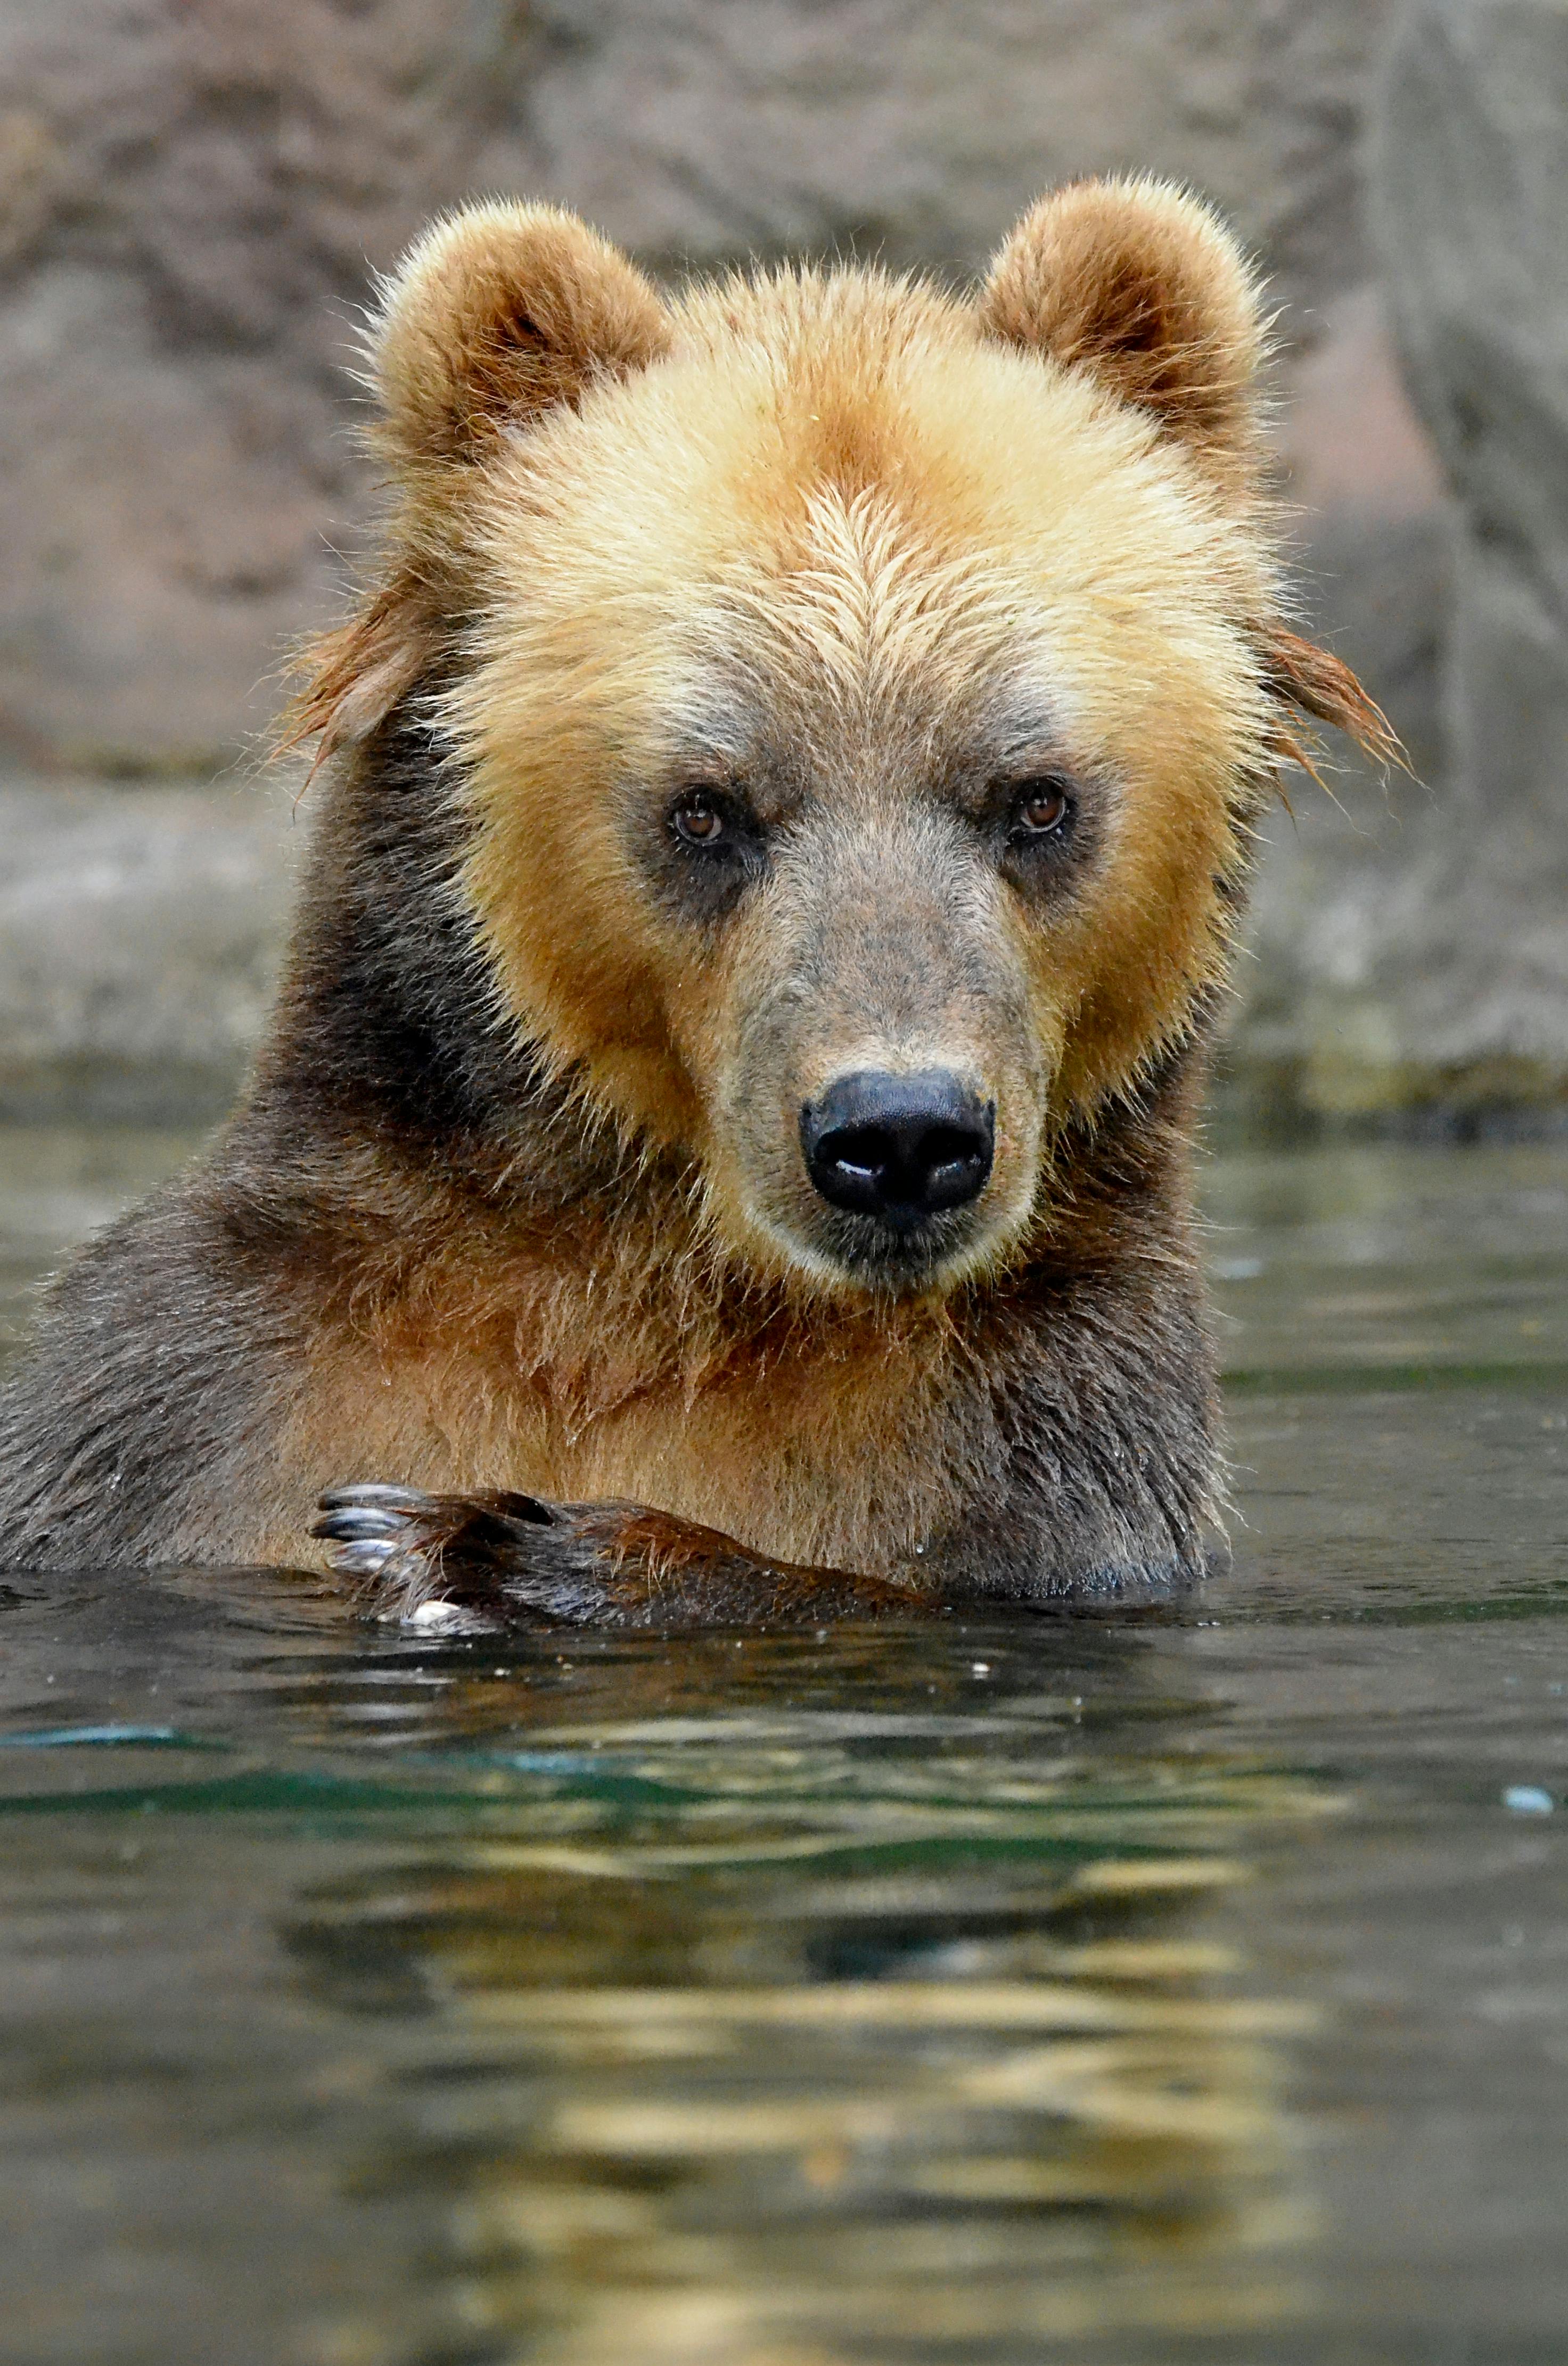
494, 315
1142, 285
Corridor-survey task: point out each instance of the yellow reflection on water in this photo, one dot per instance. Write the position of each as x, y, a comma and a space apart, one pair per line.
660, 2129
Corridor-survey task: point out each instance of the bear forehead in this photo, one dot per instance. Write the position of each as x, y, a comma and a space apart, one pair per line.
813, 429
832, 489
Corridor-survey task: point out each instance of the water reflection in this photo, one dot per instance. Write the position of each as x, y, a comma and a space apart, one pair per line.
1144, 1986
792, 2031
828, 2033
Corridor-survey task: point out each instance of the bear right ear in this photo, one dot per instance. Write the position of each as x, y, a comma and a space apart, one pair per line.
1142, 286
495, 315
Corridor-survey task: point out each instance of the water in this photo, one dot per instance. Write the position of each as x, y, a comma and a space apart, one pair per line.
1164, 1987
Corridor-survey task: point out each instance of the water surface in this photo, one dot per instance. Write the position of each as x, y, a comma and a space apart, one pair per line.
1132, 1987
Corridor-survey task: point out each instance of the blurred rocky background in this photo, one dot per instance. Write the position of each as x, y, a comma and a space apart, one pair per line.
194, 192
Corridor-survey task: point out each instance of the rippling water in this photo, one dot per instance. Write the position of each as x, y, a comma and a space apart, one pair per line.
1164, 1986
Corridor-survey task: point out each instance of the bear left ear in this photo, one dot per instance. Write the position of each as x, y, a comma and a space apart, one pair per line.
496, 314
1140, 284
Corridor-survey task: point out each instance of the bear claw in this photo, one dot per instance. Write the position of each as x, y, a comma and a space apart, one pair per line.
414, 1548
497, 1555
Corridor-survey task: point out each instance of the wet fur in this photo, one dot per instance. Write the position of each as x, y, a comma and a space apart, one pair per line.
481, 1223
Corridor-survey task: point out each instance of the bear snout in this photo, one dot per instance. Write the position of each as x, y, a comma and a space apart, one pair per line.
901, 1148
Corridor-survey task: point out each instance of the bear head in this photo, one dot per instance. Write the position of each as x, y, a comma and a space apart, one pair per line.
858, 696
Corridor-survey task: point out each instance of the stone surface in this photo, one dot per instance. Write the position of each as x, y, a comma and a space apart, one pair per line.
1434, 976
140, 931
1375, 551
1472, 204
193, 192
920, 129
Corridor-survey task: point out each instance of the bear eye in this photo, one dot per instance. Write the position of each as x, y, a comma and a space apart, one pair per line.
1041, 809
697, 821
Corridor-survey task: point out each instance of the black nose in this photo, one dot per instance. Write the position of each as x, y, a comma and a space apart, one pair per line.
898, 1148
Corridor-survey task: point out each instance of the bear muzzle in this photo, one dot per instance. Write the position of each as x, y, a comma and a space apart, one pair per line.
901, 1148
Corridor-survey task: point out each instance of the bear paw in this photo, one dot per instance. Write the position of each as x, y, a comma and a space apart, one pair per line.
496, 1553
528, 1562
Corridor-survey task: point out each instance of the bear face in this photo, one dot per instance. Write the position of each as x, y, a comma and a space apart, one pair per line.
857, 698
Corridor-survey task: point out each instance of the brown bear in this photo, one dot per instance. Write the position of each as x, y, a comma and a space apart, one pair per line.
722, 1150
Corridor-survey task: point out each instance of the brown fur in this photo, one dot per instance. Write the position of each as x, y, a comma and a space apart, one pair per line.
516, 1214
1141, 286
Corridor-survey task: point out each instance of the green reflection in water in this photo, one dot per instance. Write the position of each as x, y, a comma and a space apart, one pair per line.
1114, 1988
806, 2030
918, 2057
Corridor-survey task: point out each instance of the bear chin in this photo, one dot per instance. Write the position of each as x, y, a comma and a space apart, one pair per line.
867, 1258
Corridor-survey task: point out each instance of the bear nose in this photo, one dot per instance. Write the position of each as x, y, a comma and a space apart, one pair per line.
900, 1147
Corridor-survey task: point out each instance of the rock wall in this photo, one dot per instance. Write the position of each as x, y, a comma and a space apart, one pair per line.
1414, 954
194, 192
1471, 207
139, 929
